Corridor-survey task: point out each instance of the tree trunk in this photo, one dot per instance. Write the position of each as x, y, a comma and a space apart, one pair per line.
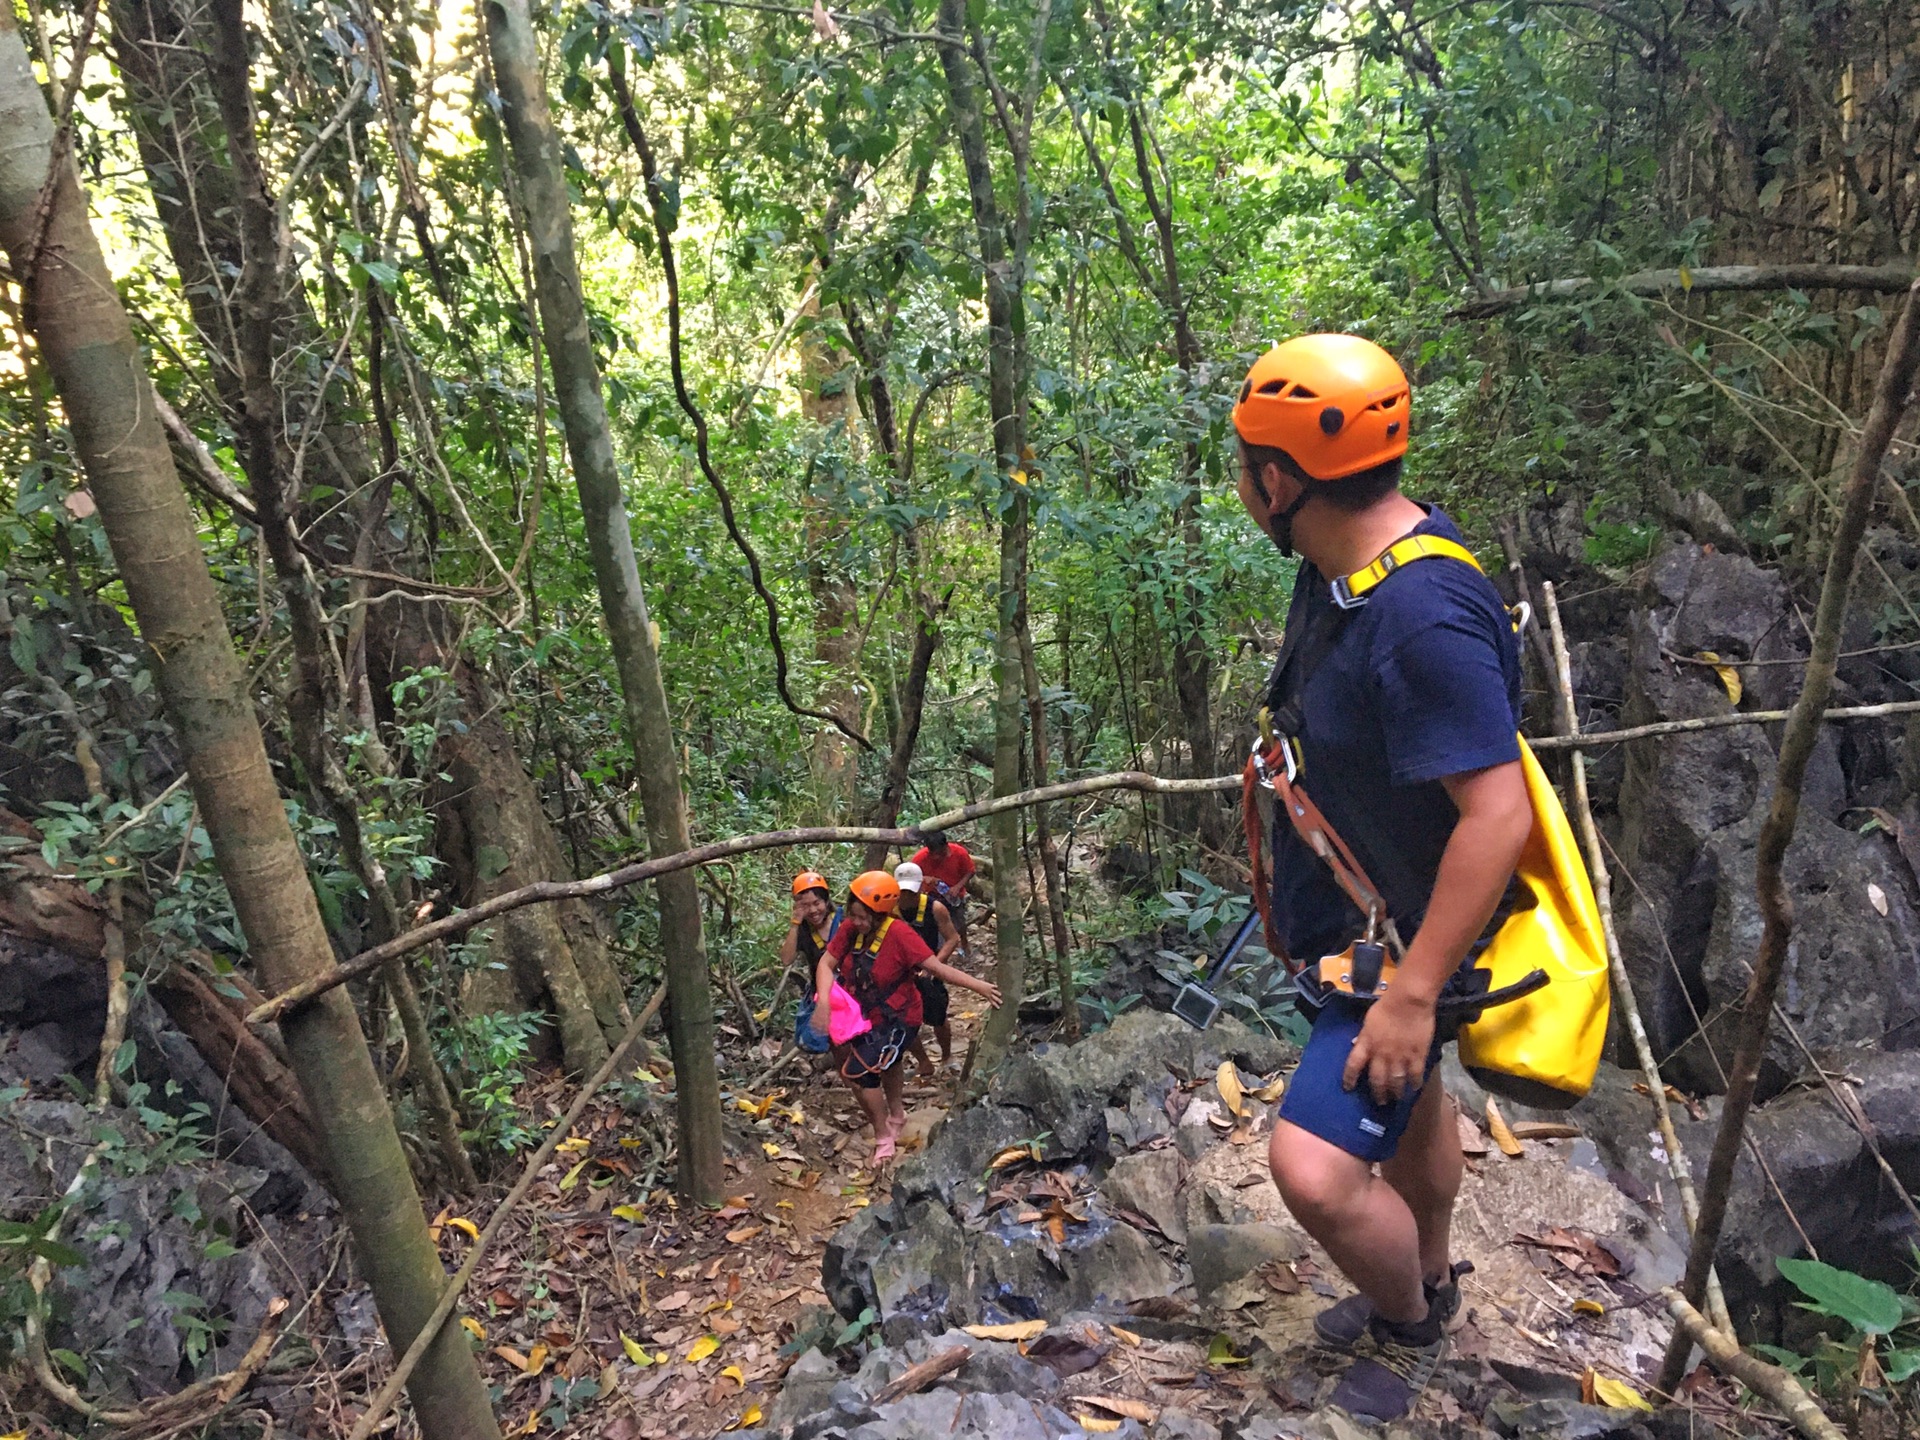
535, 157
823, 400
1050, 868
200, 198
73, 309
1003, 397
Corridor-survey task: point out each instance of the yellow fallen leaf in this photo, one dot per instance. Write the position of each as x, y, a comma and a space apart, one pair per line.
1096, 1424
467, 1323
1126, 1336
1588, 1307
14, 1435
743, 1234
572, 1177
1617, 1394
436, 1225
1220, 1352
1270, 1093
751, 1417
735, 1374
532, 1422
632, 1213
465, 1226
1018, 1330
1119, 1405
1228, 1082
1502, 1136
661, 1357
636, 1352
512, 1356
701, 1349
573, 1142
631, 1142
536, 1359
1729, 676
769, 1149
1012, 1155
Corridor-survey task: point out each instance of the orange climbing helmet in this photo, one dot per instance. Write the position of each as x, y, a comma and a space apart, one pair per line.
1337, 404
811, 880
877, 890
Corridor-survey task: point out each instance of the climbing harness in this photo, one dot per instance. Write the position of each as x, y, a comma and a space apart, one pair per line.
1532, 1010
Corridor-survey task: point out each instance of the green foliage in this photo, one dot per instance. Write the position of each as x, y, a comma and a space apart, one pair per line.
485, 1056
1869, 1306
1881, 1326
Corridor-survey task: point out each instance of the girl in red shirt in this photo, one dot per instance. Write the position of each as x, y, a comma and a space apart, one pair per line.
874, 956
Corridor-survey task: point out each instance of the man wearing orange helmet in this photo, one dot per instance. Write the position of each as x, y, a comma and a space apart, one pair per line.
875, 956
1396, 698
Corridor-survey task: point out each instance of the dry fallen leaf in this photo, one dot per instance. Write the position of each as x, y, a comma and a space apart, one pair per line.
743, 1234
1095, 1425
513, 1357
750, 1417
1270, 1093
1617, 1394
735, 1374
1228, 1083
1544, 1130
473, 1327
536, 1359
1473, 1143
465, 1226
701, 1349
631, 1213
1502, 1136
573, 1142
1018, 1330
1877, 898
1119, 1405
1013, 1155
1729, 676
1588, 1307
1125, 1335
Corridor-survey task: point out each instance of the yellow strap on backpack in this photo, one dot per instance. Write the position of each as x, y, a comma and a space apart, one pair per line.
1544, 1048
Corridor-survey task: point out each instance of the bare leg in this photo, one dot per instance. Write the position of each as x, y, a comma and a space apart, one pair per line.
894, 1083
1361, 1220
943, 1032
1426, 1172
874, 1102
918, 1050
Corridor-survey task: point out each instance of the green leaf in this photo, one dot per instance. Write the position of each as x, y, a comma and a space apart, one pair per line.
72, 1361
1902, 1365
220, 1249
1865, 1304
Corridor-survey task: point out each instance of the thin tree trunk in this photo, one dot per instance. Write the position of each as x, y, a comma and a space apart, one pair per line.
74, 310
1890, 399
1003, 285
913, 704
535, 156
1050, 867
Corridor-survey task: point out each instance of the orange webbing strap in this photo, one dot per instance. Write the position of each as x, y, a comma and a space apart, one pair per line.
1253, 817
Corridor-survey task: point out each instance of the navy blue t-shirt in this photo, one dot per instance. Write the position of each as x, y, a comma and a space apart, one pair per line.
1421, 682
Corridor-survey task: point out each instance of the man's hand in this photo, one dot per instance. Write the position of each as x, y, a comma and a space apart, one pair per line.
989, 990
1392, 1047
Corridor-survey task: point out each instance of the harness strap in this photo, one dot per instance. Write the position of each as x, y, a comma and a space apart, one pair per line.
1350, 591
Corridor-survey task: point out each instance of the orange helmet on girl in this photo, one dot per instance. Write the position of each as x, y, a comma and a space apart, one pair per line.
811, 880
1337, 404
877, 890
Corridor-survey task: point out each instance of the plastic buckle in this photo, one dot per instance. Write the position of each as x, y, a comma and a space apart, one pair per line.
1344, 597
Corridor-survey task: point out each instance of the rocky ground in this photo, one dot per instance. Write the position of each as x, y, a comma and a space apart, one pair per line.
1097, 1247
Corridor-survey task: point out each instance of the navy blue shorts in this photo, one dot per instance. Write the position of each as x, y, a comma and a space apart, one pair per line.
1350, 1119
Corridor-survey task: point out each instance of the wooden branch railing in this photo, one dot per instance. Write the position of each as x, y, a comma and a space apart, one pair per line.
460, 922
1887, 279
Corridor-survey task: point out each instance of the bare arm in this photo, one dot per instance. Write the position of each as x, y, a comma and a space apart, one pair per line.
1495, 819
949, 937
951, 976
822, 988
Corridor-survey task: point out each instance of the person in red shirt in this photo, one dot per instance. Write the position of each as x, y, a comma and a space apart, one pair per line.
875, 957
947, 867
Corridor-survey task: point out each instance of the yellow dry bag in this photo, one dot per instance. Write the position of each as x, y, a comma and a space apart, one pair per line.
1543, 1048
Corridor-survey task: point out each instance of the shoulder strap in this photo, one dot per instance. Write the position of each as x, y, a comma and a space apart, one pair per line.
1350, 591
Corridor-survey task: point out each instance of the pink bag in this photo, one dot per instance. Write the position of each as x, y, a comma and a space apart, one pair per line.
845, 1019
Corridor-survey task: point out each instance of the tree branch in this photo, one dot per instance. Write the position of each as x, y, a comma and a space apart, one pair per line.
1890, 397
1884, 278
663, 223
1763, 1379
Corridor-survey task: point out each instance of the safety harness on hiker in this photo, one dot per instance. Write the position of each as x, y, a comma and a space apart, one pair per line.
863, 954
916, 911
1532, 1010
